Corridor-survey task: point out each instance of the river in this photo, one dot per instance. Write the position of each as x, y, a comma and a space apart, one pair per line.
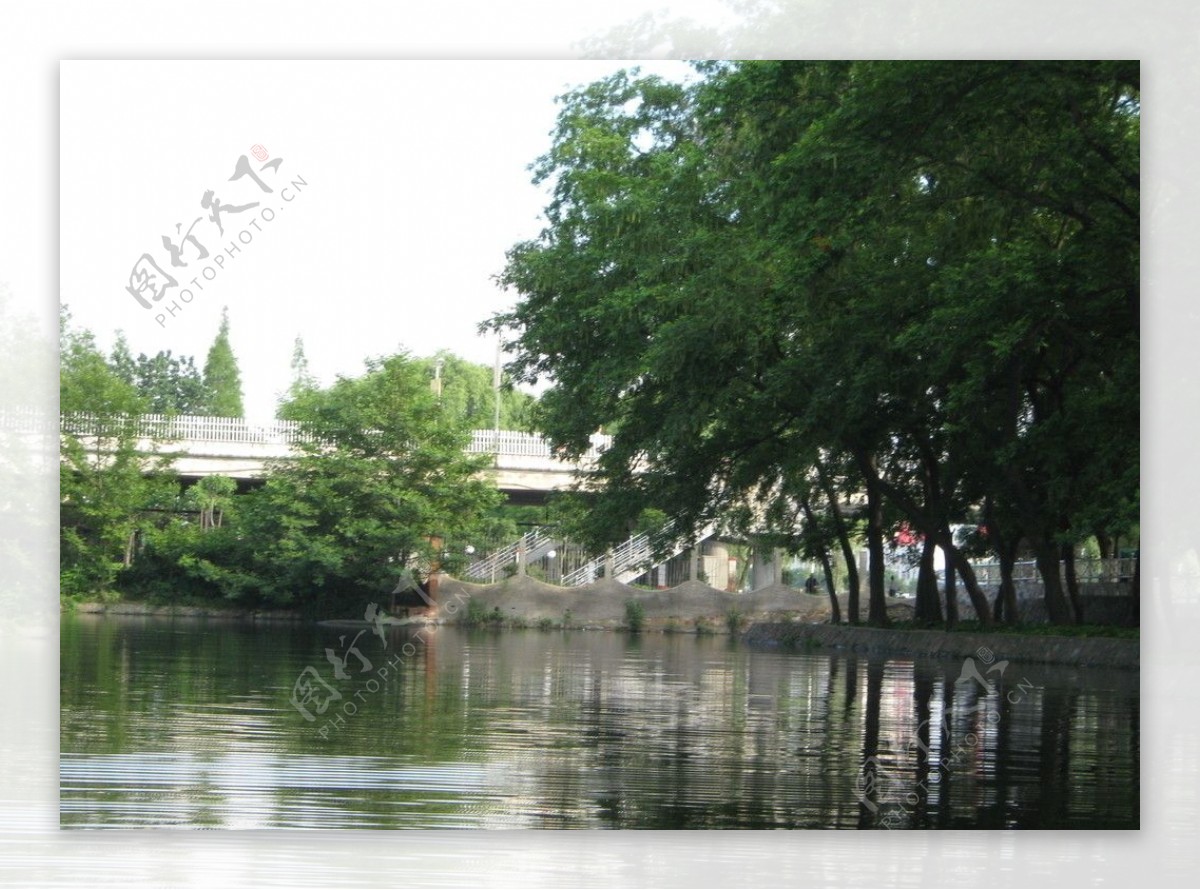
205, 723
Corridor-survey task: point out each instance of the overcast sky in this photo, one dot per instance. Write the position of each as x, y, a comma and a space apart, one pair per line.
399, 186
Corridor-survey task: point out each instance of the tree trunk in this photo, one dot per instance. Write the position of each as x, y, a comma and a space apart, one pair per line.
835, 609
928, 607
843, 535
1068, 555
978, 599
1006, 596
951, 594
1058, 611
826, 565
1104, 542
877, 596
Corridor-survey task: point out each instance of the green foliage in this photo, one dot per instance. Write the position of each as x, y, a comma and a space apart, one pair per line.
211, 497
468, 392
635, 615
386, 487
302, 380
168, 384
105, 486
476, 614
734, 621
545, 623
221, 376
807, 280
386, 490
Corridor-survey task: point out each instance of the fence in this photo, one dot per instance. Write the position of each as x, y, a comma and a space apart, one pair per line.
1099, 572
197, 428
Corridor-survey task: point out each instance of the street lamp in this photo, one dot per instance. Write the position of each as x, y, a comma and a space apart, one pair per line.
437, 376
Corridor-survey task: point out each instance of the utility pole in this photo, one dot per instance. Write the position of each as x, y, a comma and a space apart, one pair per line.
496, 387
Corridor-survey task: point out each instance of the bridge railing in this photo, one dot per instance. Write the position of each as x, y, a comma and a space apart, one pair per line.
236, 430
516, 444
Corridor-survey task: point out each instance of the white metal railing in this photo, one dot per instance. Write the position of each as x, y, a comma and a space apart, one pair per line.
1087, 570
236, 430
196, 428
516, 444
634, 556
535, 543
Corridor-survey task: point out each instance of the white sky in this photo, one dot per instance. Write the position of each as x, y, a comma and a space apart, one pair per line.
417, 183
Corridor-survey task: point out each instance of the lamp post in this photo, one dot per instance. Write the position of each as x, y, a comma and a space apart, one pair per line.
496, 387
437, 377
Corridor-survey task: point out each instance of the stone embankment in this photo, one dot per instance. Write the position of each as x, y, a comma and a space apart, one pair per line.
691, 606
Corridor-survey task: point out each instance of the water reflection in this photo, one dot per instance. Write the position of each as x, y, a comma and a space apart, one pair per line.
188, 723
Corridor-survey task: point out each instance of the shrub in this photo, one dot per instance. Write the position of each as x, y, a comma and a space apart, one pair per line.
733, 620
635, 615
475, 615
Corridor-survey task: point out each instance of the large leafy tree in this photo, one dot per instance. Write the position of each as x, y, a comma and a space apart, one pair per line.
917, 281
385, 486
169, 384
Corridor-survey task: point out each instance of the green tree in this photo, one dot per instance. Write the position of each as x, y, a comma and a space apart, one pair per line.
921, 277
211, 497
221, 376
386, 486
105, 484
302, 378
468, 391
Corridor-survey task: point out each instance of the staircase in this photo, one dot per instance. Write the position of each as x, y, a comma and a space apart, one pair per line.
536, 543
635, 556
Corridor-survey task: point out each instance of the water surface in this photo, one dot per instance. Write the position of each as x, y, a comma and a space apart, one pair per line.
191, 723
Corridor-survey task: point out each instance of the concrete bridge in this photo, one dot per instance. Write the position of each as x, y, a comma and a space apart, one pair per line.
524, 466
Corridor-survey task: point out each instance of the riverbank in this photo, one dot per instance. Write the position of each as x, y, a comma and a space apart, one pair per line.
775, 616
1036, 648
181, 611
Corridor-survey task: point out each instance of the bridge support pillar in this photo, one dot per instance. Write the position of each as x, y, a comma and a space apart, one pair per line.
694, 569
608, 564
521, 560
767, 568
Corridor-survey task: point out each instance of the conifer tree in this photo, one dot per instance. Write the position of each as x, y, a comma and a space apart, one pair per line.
221, 377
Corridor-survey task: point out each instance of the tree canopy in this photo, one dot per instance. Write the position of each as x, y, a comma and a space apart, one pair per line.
790, 282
